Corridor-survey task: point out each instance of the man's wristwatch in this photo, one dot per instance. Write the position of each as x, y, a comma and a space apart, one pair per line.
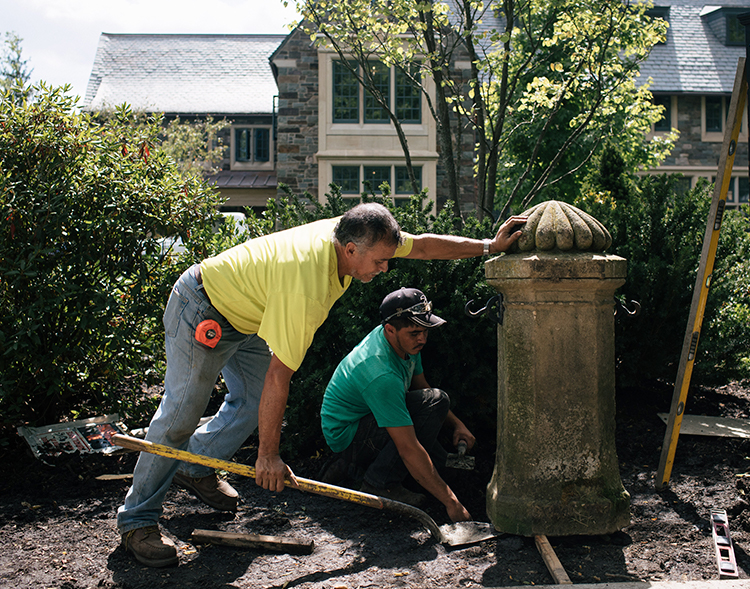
486, 243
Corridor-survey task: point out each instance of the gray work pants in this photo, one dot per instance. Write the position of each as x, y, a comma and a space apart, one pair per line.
373, 450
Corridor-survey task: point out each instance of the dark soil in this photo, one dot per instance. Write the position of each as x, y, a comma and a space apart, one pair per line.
57, 522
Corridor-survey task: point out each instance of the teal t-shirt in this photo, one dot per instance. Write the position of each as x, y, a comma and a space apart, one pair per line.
371, 379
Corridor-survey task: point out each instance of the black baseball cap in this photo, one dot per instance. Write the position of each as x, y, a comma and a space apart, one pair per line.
412, 304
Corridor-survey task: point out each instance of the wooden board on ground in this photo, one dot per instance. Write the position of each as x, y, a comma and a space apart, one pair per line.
275, 543
703, 425
550, 559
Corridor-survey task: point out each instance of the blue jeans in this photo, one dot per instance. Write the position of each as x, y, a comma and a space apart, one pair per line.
373, 449
192, 370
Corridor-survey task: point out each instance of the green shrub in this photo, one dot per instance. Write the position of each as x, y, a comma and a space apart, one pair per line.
659, 230
461, 356
83, 280
724, 347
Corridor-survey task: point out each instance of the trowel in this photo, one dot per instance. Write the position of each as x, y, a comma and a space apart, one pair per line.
460, 459
454, 535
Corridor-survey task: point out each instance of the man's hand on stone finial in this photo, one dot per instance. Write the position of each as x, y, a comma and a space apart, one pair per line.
508, 233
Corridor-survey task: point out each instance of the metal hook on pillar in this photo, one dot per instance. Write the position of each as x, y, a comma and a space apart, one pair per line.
493, 309
621, 304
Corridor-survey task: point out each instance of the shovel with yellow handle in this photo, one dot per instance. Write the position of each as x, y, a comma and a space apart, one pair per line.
456, 534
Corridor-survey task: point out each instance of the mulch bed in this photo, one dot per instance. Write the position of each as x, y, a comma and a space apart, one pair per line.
57, 521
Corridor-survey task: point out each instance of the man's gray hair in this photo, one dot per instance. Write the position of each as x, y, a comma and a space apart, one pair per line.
367, 224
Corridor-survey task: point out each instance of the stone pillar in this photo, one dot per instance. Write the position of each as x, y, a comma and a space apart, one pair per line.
556, 470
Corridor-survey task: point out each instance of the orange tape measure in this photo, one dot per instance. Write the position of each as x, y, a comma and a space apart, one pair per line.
208, 333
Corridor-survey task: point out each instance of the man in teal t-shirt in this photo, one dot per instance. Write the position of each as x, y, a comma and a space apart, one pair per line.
380, 414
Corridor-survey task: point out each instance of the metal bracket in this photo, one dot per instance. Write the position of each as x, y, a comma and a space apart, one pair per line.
493, 309
622, 305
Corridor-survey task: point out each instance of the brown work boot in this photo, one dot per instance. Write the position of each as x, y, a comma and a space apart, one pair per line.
149, 547
395, 492
212, 490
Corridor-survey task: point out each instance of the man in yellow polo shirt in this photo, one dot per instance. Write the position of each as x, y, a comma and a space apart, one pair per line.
250, 314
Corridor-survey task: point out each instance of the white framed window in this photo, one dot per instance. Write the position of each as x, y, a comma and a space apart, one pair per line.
252, 147
738, 191
669, 117
352, 104
353, 179
714, 110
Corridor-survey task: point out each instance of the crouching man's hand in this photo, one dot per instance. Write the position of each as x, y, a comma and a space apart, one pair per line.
457, 512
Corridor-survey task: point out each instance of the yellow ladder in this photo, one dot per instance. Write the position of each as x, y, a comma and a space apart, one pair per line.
703, 280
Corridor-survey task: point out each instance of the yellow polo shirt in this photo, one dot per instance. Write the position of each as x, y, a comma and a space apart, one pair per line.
281, 286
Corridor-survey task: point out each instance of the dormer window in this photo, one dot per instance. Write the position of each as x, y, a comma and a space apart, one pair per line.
661, 12
735, 30
724, 23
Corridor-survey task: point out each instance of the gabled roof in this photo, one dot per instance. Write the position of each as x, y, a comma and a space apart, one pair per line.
694, 59
184, 74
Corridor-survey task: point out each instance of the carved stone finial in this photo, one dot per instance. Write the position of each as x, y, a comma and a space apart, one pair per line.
558, 225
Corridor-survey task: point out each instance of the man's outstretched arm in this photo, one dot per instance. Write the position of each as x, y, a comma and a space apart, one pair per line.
430, 246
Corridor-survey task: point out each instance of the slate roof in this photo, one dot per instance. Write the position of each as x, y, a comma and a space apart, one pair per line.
184, 74
693, 60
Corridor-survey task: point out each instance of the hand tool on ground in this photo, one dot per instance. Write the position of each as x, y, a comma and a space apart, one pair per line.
460, 459
724, 548
455, 534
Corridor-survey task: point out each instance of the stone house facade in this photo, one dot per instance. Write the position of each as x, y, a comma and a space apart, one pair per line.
317, 147
692, 75
227, 77
279, 94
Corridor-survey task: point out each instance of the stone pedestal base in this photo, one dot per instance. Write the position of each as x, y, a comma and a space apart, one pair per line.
556, 470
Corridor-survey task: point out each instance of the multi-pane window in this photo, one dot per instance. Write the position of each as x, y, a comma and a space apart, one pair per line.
714, 114
737, 192
735, 30
408, 100
716, 120
660, 12
665, 123
743, 189
375, 176
354, 104
345, 94
403, 186
380, 77
347, 178
252, 144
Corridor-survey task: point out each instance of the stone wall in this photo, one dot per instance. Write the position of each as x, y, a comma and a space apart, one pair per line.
463, 151
297, 123
690, 150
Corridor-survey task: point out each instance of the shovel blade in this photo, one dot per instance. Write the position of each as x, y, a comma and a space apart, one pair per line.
466, 533
460, 461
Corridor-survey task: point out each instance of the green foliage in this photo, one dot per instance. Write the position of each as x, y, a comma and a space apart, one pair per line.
660, 231
14, 74
573, 67
460, 357
194, 145
83, 278
724, 348
549, 82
